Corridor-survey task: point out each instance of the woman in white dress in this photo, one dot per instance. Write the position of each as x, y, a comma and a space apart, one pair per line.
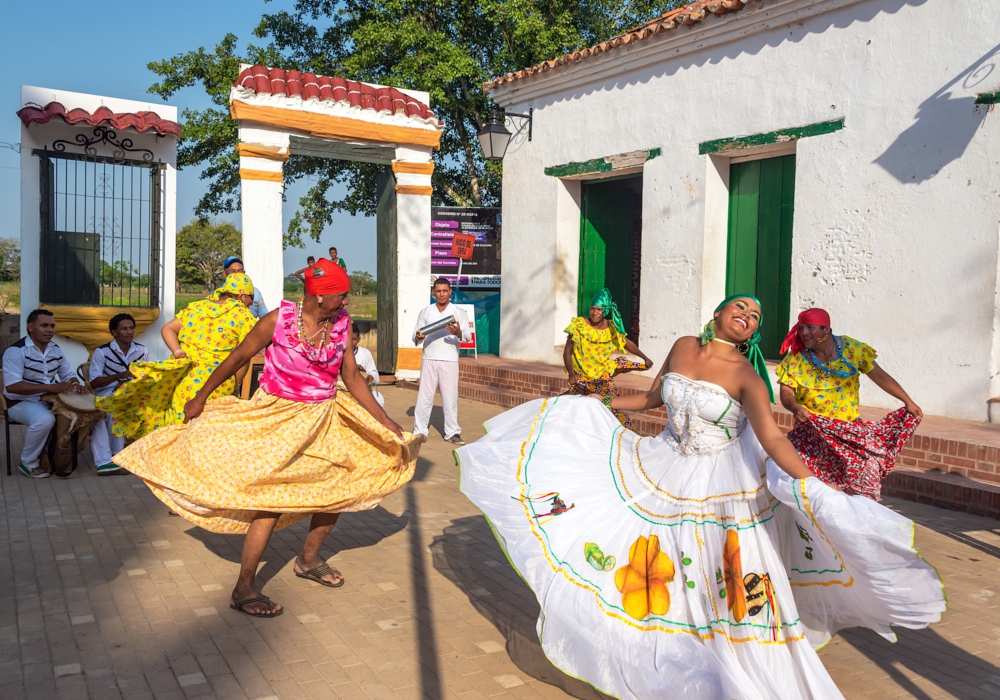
706, 562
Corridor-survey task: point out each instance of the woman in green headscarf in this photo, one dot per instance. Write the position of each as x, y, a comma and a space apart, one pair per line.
590, 350
200, 338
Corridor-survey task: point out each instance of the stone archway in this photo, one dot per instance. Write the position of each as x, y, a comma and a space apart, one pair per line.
281, 113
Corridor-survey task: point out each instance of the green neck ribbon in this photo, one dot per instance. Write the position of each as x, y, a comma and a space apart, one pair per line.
750, 348
609, 308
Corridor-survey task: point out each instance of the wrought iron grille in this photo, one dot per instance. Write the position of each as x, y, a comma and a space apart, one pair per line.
101, 219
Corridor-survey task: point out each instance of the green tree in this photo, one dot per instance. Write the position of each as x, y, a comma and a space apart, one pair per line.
445, 47
10, 259
361, 282
202, 246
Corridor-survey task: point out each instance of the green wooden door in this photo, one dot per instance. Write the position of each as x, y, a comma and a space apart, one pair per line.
387, 252
607, 239
759, 256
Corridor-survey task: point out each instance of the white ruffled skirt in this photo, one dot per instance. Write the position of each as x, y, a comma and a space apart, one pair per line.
664, 574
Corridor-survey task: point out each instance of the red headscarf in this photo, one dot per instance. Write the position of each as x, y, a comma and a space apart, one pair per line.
326, 277
809, 317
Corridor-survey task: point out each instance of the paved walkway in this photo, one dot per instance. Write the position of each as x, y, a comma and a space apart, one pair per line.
103, 594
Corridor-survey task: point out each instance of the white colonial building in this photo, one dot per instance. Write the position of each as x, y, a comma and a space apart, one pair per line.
836, 153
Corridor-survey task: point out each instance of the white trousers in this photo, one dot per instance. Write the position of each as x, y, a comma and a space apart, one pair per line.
103, 442
437, 375
37, 416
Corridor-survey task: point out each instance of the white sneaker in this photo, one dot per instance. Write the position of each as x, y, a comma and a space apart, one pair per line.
36, 473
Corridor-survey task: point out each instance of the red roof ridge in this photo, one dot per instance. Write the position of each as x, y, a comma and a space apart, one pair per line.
263, 80
692, 13
140, 121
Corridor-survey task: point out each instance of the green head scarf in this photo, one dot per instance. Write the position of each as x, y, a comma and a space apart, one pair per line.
751, 346
609, 308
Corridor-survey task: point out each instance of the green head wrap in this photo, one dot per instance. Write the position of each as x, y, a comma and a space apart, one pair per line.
750, 348
609, 308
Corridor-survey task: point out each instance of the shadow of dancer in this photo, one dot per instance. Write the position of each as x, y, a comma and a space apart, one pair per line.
927, 654
469, 556
353, 531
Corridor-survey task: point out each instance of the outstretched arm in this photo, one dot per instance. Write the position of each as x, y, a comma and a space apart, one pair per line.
757, 404
890, 386
169, 334
642, 402
361, 392
634, 349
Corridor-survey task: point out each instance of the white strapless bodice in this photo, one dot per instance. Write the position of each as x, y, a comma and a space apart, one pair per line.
702, 417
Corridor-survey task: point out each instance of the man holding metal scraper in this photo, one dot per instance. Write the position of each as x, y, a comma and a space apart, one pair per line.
442, 327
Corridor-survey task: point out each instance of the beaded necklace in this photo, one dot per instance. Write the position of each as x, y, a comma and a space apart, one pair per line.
313, 352
825, 366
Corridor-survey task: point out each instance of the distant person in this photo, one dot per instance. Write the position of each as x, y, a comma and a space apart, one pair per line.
234, 265
108, 371
33, 366
439, 366
301, 274
366, 363
337, 260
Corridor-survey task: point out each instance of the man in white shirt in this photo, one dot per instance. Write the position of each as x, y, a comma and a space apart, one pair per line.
234, 265
33, 366
439, 366
366, 363
108, 371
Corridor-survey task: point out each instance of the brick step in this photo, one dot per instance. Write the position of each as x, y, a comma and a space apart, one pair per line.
948, 491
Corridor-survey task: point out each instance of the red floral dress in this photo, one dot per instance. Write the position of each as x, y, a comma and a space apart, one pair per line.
836, 444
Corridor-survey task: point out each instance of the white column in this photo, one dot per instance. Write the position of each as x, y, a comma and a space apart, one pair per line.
413, 282
262, 228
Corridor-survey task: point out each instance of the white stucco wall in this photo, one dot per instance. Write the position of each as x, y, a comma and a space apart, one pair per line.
897, 215
38, 136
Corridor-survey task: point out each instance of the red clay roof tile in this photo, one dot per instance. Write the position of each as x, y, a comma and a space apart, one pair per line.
691, 13
309, 86
140, 121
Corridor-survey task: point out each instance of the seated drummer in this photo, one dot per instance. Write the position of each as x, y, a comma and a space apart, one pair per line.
108, 371
33, 366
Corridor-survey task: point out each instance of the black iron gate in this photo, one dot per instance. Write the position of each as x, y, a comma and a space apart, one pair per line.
101, 220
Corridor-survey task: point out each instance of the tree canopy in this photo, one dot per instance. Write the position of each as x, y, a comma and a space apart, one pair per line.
202, 246
447, 48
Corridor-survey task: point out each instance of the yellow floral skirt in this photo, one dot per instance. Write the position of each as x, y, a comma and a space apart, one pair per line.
157, 395
274, 455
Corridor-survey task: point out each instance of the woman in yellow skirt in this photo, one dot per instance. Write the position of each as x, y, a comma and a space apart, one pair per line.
296, 448
200, 338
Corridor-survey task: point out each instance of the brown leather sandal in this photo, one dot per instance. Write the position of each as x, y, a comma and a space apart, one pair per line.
316, 574
238, 606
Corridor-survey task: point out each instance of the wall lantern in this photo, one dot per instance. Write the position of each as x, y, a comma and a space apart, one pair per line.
494, 137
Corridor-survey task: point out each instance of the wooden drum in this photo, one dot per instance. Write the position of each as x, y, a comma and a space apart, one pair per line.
76, 415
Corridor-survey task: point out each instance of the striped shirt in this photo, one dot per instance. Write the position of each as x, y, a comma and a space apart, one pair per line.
24, 362
109, 360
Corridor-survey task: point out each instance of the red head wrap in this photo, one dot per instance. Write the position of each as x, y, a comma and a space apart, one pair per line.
326, 277
809, 317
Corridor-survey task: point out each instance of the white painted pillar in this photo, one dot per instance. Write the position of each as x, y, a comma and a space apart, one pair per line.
412, 168
262, 189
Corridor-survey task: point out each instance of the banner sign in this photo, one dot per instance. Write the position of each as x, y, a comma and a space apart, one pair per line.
480, 224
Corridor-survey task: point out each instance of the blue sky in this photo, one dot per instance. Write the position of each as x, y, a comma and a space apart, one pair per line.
103, 49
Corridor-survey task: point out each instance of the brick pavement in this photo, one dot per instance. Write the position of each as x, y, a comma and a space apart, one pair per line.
103, 594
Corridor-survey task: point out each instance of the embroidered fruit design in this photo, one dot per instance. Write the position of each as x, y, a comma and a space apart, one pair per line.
596, 558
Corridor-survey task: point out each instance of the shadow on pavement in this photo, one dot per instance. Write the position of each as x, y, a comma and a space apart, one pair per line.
919, 651
353, 531
469, 556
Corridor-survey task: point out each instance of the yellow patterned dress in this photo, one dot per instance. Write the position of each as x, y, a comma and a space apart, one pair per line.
297, 447
210, 331
594, 360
